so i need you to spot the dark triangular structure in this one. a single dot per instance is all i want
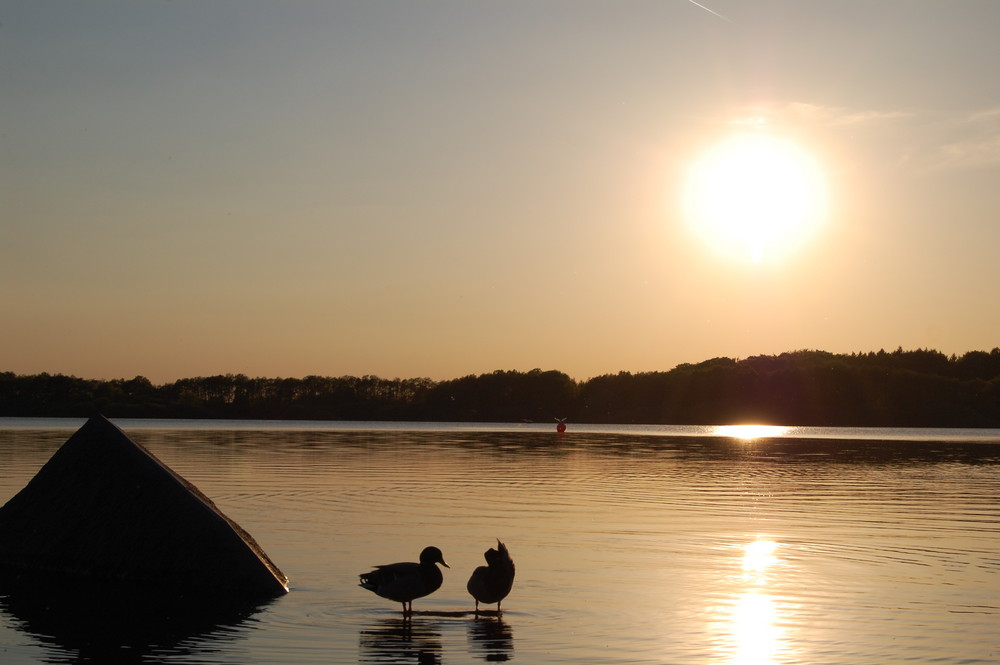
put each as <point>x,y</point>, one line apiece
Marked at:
<point>104,508</point>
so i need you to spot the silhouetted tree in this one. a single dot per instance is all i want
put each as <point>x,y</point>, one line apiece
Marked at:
<point>900,388</point>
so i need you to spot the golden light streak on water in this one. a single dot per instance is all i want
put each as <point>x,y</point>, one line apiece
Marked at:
<point>755,633</point>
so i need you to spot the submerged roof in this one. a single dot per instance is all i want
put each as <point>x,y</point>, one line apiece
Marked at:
<point>103,507</point>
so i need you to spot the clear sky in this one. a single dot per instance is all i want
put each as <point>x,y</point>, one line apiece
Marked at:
<point>441,188</point>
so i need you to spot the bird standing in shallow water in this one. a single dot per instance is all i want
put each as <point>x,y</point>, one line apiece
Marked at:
<point>403,582</point>
<point>491,583</point>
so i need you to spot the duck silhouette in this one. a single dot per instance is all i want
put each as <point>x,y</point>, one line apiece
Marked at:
<point>491,583</point>
<point>403,582</point>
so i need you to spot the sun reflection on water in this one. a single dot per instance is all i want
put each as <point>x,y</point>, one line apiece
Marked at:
<point>759,555</point>
<point>752,624</point>
<point>756,634</point>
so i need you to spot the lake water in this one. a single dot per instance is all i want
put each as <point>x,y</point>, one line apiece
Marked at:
<point>633,544</point>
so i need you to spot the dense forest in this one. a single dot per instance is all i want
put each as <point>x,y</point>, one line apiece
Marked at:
<point>922,388</point>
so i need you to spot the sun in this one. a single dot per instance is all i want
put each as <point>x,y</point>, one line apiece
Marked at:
<point>756,196</point>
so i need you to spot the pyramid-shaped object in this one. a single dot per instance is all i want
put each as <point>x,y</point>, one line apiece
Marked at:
<point>104,508</point>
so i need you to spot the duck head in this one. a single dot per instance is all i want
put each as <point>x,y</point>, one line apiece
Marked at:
<point>432,555</point>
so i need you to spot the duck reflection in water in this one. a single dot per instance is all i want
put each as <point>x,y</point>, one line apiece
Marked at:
<point>401,640</point>
<point>491,639</point>
<point>491,583</point>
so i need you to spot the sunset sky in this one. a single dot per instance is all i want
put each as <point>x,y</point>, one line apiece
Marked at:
<point>441,188</point>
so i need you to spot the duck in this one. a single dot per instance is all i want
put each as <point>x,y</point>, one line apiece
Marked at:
<point>491,583</point>
<point>403,582</point>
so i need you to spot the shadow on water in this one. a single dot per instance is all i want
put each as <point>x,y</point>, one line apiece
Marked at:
<point>401,640</point>
<point>417,639</point>
<point>83,622</point>
<point>491,639</point>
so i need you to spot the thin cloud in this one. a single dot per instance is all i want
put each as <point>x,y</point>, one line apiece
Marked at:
<point>976,146</point>
<point>949,143</point>
<point>970,154</point>
<point>922,143</point>
<point>811,114</point>
<point>869,117</point>
<point>989,115</point>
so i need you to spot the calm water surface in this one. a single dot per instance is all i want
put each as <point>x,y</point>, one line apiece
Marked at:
<point>632,544</point>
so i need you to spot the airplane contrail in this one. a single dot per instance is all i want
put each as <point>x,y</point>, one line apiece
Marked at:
<point>696,4</point>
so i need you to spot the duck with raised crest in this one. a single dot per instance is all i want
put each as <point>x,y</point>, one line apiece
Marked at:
<point>491,583</point>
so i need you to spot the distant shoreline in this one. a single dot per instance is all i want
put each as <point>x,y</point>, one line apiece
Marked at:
<point>922,388</point>
<point>577,433</point>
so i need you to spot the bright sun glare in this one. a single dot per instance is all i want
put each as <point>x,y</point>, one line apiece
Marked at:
<point>756,196</point>
<point>750,432</point>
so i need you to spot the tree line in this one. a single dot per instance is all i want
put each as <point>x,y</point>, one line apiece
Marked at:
<point>920,388</point>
